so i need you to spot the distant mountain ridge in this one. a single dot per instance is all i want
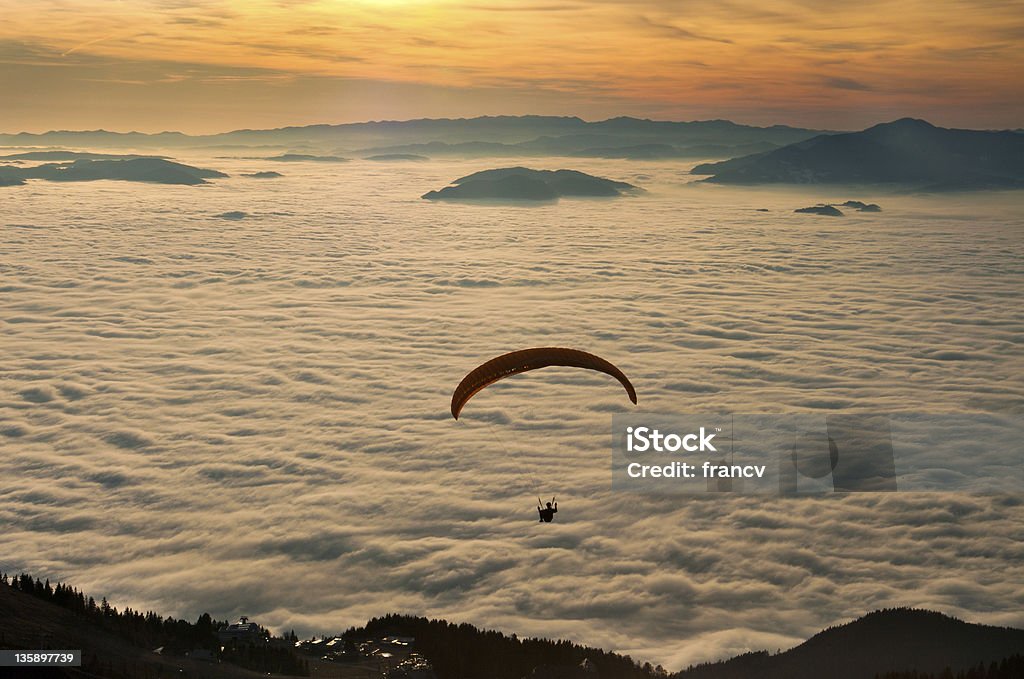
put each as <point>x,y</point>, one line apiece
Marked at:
<point>503,135</point>
<point>907,152</point>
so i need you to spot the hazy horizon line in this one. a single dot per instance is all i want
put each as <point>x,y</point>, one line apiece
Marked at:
<point>384,121</point>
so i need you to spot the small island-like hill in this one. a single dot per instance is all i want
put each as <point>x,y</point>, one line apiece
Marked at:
<point>133,169</point>
<point>524,184</point>
<point>385,157</point>
<point>300,157</point>
<point>824,210</point>
<point>58,154</point>
<point>832,209</point>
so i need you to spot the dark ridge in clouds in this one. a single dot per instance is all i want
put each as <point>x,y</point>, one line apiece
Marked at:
<point>130,168</point>
<point>907,152</point>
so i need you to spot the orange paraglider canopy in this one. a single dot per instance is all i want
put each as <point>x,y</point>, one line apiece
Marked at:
<point>524,360</point>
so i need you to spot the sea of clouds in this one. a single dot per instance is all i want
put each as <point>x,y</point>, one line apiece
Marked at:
<point>250,416</point>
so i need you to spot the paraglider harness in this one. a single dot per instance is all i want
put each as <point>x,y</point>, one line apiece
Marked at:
<point>547,513</point>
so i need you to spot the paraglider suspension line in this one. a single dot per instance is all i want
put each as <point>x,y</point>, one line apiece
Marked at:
<point>528,477</point>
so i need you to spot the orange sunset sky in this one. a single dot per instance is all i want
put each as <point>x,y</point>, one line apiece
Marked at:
<point>212,65</point>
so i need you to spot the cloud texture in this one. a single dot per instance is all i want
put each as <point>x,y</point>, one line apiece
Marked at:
<point>250,417</point>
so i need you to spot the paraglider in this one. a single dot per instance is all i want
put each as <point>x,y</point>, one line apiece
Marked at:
<point>525,360</point>
<point>547,514</point>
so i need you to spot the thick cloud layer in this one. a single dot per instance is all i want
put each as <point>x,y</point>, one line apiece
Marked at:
<point>251,417</point>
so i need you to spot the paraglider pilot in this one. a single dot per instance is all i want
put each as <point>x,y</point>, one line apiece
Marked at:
<point>548,513</point>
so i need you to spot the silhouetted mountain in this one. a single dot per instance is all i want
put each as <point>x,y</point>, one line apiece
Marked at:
<point>488,135</point>
<point>512,187</point>
<point>384,157</point>
<point>95,138</point>
<point>727,151</point>
<point>520,183</point>
<point>894,640</point>
<point>831,209</point>
<point>826,210</point>
<point>589,145</point>
<point>635,152</point>
<point>155,170</point>
<point>862,206</point>
<point>906,152</point>
<point>264,175</point>
<point>469,149</point>
<point>72,155</point>
<point>725,166</point>
<point>299,157</point>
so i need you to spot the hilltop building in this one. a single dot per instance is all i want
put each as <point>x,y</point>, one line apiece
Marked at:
<point>243,631</point>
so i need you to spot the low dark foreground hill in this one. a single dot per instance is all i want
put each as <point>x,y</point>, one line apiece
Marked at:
<point>122,644</point>
<point>521,183</point>
<point>464,651</point>
<point>895,640</point>
<point>907,152</point>
<point>890,644</point>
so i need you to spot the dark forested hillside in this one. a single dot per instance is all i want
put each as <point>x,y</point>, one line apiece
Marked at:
<point>120,644</point>
<point>894,640</point>
<point>1007,668</point>
<point>35,614</point>
<point>466,652</point>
